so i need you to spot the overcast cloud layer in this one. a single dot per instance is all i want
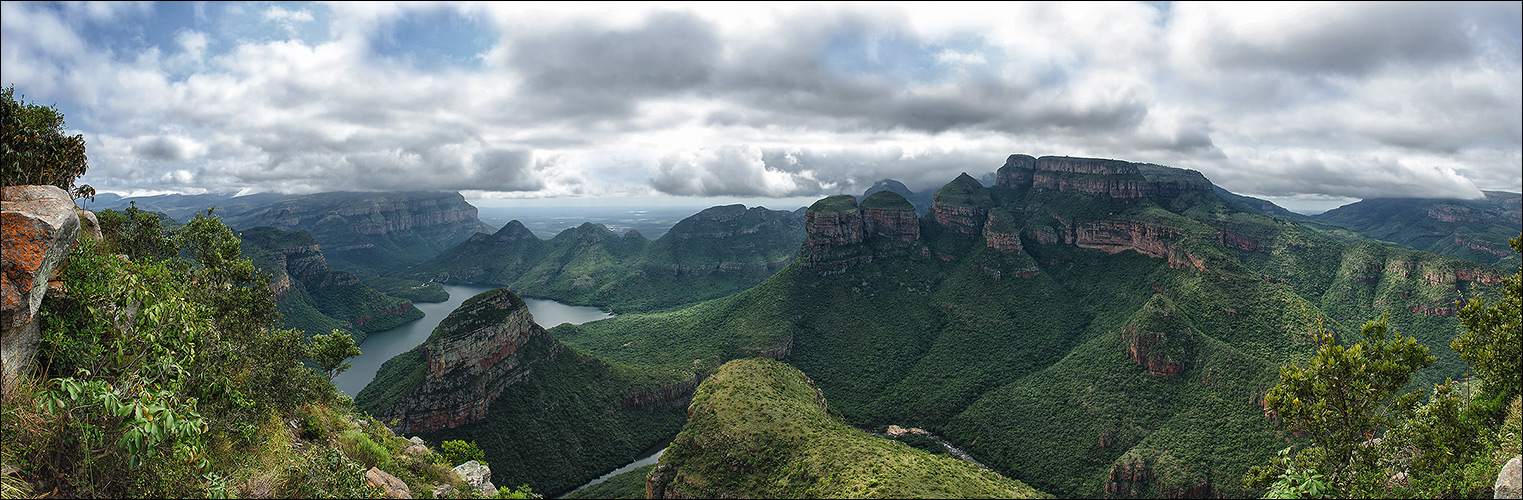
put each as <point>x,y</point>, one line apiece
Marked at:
<point>1296,102</point>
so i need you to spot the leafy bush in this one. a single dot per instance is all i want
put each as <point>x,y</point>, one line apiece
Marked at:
<point>358,446</point>
<point>326,473</point>
<point>34,148</point>
<point>458,452</point>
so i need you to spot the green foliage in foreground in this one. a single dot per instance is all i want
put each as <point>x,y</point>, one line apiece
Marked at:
<point>458,452</point>
<point>34,148</point>
<point>629,485</point>
<point>760,429</point>
<point>1449,446</point>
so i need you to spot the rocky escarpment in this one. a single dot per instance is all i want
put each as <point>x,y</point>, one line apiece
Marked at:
<point>373,230</point>
<point>373,213</point>
<point>890,215</point>
<point>1157,338</point>
<point>1001,233</point>
<point>1146,474</point>
<point>962,205</point>
<point>40,228</point>
<point>1118,236</point>
<point>314,297</point>
<point>471,357</point>
<point>840,234</point>
<point>1096,176</point>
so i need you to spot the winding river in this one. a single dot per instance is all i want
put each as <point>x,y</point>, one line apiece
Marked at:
<point>383,345</point>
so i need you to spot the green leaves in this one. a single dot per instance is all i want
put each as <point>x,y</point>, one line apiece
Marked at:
<point>330,350</point>
<point>1494,336</point>
<point>1340,399</point>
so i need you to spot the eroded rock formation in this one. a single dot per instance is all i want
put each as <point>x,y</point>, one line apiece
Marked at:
<point>1110,178</point>
<point>962,205</point>
<point>40,228</point>
<point>472,356</point>
<point>840,234</point>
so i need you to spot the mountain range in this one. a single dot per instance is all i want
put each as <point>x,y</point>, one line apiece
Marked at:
<point>1085,326</point>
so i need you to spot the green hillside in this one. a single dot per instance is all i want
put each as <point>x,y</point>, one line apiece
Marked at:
<point>1036,375</point>
<point>716,252</point>
<point>1475,230</point>
<point>314,298</point>
<point>759,428</point>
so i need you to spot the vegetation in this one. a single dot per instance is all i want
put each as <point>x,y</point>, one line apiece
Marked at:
<point>1476,230</point>
<point>34,148</point>
<point>891,200</point>
<point>458,452</point>
<point>316,298</point>
<point>416,291</point>
<point>329,351</point>
<point>759,429</point>
<point>630,485</point>
<point>714,253</point>
<point>161,372</point>
<point>964,191</point>
<point>1451,445</point>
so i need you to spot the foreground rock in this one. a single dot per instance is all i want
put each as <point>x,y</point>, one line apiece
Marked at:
<point>1509,484</point>
<point>40,227</point>
<point>477,475</point>
<point>393,487</point>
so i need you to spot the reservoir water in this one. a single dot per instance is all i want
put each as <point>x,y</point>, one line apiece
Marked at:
<point>383,345</point>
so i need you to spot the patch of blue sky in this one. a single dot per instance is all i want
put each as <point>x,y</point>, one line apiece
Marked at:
<point>901,58</point>
<point>259,22</point>
<point>432,39</point>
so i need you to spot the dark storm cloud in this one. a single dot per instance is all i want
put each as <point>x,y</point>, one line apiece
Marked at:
<point>582,69</point>
<point>161,148</point>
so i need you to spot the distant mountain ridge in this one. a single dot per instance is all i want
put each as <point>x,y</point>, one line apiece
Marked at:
<point>715,252</point>
<point>313,297</point>
<point>1076,326</point>
<point>1477,230</point>
<point>361,232</point>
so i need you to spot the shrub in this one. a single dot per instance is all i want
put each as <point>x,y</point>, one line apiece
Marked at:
<point>364,450</point>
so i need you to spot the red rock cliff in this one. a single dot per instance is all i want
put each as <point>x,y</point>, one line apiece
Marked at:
<point>474,354</point>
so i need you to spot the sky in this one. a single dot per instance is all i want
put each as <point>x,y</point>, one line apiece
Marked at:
<point>558,104</point>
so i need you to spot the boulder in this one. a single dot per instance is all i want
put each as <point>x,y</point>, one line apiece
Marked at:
<point>40,227</point>
<point>393,487</point>
<point>477,475</point>
<point>1509,484</point>
<point>89,225</point>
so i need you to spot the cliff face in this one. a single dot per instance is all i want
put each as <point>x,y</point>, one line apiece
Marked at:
<point>373,230</point>
<point>840,234</point>
<point>1115,237</point>
<point>962,205</point>
<point>1110,178</point>
<point>315,297</point>
<point>475,353</point>
<point>1000,232</point>
<point>1158,338</point>
<point>891,216</point>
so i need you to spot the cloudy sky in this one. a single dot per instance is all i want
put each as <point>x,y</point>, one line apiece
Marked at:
<point>1309,105</point>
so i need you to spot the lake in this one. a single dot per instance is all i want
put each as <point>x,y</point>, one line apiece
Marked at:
<point>383,345</point>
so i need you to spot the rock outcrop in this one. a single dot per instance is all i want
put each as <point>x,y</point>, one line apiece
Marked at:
<point>478,476</point>
<point>1509,484</point>
<point>1118,236</point>
<point>40,228</point>
<point>840,234</point>
<point>387,483</point>
<point>470,358</point>
<point>1001,233</point>
<point>1157,338</point>
<point>1096,176</point>
<point>962,205</point>
<point>890,215</point>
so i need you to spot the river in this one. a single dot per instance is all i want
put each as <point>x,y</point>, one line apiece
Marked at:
<point>383,345</point>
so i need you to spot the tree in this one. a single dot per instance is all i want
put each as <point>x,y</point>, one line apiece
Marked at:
<point>458,452</point>
<point>331,350</point>
<point>34,148</point>
<point>1494,336</point>
<point>1341,399</point>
